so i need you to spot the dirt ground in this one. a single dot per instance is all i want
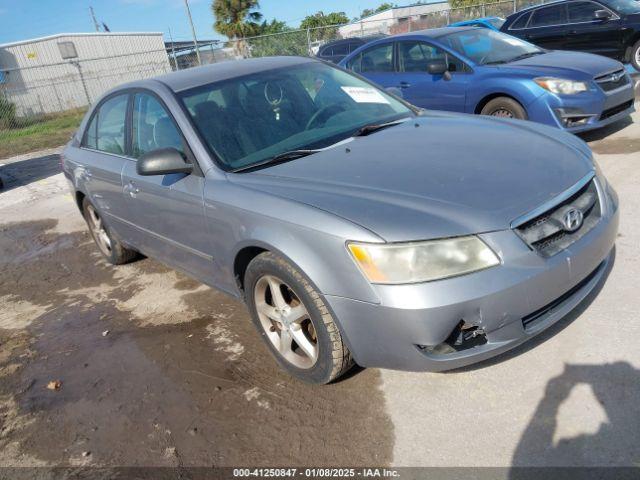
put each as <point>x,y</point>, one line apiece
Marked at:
<point>157,369</point>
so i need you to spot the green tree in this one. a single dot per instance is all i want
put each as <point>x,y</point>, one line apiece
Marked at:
<point>277,38</point>
<point>372,11</point>
<point>236,19</point>
<point>324,26</point>
<point>466,3</point>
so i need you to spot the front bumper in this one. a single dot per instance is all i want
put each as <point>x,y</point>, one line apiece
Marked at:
<point>596,104</point>
<point>393,333</point>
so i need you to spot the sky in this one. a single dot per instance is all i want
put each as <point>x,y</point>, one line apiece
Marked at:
<point>24,19</point>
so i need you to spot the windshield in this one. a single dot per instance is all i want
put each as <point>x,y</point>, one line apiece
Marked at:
<point>497,22</point>
<point>626,7</point>
<point>249,120</point>
<point>486,47</point>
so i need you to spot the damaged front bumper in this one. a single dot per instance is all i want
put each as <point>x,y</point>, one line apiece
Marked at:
<point>451,323</point>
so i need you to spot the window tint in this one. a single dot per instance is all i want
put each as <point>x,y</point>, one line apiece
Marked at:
<point>582,11</point>
<point>106,130</point>
<point>521,22</point>
<point>552,15</point>
<point>414,57</point>
<point>376,59</point>
<point>152,127</point>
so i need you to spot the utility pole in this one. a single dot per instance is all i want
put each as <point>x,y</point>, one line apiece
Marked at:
<point>193,32</point>
<point>173,51</point>
<point>93,17</point>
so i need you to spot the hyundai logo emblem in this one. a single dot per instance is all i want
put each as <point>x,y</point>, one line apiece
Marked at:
<point>572,220</point>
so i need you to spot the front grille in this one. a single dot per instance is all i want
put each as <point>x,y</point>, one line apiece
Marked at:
<point>529,321</point>
<point>608,82</point>
<point>547,234</point>
<point>610,112</point>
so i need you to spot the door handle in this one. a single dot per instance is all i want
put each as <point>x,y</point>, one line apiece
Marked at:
<point>404,85</point>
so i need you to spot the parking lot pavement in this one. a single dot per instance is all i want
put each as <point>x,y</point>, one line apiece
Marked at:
<point>157,369</point>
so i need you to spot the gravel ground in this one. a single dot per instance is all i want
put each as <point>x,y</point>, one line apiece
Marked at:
<point>157,369</point>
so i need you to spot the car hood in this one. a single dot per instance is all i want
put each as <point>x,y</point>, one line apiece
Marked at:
<point>439,175</point>
<point>558,62</point>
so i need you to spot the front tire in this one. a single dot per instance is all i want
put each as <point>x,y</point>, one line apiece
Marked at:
<point>635,56</point>
<point>112,250</point>
<point>504,107</point>
<point>294,321</point>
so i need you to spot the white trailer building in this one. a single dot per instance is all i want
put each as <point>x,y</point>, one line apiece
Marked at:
<point>67,71</point>
<point>385,21</point>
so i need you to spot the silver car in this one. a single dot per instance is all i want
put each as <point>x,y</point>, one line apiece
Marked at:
<point>356,228</point>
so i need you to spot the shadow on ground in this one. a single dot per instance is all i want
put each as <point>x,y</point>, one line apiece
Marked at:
<point>616,387</point>
<point>24,172</point>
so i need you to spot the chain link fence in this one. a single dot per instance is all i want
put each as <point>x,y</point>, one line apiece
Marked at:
<point>47,84</point>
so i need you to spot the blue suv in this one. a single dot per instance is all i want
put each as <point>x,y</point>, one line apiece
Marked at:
<point>478,70</point>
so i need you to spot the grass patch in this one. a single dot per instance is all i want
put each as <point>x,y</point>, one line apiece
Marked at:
<point>46,132</point>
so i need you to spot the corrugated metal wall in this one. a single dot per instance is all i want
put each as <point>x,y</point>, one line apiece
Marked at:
<point>39,81</point>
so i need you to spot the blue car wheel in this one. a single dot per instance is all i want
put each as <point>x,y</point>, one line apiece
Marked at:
<point>504,107</point>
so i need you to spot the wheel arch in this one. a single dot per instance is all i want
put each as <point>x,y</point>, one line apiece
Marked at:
<point>629,49</point>
<point>487,98</point>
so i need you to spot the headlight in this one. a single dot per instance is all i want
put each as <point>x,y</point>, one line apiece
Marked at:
<point>561,86</point>
<point>422,261</point>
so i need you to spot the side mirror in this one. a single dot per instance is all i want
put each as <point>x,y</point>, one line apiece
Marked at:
<point>602,15</point>
<point>162,162</point>
<point>439,67</point>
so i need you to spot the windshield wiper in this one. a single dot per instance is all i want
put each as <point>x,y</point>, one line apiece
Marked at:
<point>374,127</point>
<point>279,158</point>
<point>526,55</point>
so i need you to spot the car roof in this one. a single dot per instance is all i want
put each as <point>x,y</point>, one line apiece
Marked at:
<point>468,22</point>
<point>437,32</point>
<point>364,39</point>
<point>533,7</point>
<point>198,76</point>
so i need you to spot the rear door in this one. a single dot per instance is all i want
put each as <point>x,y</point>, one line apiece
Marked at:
<point>430,91</point>
<point>168,210</point>
<point>547,27</point>
<point>587,34</point>
<point>377,64</point>
<point>103,156</point>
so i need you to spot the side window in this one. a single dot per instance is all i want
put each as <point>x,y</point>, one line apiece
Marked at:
<point>582,11</point>
<point>152,127</point>
<point>107,127</point>
<point>414,56</point>
<point>521,22</point>
<point>377,59</point>
<point>548,16</point>
<point>355,63</point>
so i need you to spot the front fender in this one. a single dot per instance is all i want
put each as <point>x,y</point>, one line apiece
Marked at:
<point>521,89</point>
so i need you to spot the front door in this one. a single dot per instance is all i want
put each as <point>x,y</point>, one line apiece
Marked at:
<point>430,91</point>
<point>167,210</point>
<point>588,34</point>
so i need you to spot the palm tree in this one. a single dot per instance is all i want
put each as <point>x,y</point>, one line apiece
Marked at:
<point>236,19</point>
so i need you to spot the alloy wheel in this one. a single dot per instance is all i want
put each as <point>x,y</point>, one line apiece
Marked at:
<point>502,112</point>
<point>97,229</point>
<point>286,322</point>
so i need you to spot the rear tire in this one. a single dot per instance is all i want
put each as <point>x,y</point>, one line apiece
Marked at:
<point>296,309</point>
<point>110,247</point>
<point>504,107</point>
<point>635,56</point>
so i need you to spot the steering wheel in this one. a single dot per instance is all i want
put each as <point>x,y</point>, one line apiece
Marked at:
<point>324,114</point>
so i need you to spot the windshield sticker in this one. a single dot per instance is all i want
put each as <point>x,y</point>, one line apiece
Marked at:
<point>365,95</point>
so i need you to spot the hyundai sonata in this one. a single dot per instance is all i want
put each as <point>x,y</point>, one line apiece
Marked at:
<point>355,228</point>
